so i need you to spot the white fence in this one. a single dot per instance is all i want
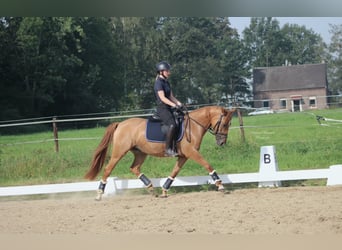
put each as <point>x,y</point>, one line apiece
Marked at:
<point>268,175</point>
<point>333,174</point>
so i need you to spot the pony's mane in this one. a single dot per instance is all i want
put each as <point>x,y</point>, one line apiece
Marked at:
<point>207,108</point>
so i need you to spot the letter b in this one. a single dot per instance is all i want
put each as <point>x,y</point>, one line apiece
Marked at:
<point>267,158</point>
<point>268,167</point>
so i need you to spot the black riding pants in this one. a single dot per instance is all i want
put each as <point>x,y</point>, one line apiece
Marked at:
<point>166,115</point>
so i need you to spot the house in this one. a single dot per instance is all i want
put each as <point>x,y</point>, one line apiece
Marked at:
<point>292,88</point>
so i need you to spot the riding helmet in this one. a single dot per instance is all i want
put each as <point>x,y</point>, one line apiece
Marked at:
<point>163,66</point>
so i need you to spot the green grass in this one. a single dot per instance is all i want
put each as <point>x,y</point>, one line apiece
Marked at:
<point>300,144</point>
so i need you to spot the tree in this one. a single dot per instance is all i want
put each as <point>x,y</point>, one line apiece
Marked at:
<point>236,72</point>
<point>199,51</point>
<point>142,47</point>
<point>335,60</point>
<point>301,45</point>
<point>10,94</point>
<point>59,65</point>
<point>269,45</point>
<point>99,85</point>
<point>191,54</point>
<point>48,50</point>
<point>72,65</point>
<point>261,38</point>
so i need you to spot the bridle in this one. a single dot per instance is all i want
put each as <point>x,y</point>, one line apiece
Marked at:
<point>212,130</point>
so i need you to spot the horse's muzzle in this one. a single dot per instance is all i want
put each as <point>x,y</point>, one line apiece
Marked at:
<point>221,139</point>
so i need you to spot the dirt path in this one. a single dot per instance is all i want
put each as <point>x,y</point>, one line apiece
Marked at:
<point>294,210</point>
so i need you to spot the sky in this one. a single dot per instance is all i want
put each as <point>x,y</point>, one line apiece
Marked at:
<point>319,25</point>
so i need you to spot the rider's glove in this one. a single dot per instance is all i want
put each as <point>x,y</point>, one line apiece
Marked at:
<point>179,107</point>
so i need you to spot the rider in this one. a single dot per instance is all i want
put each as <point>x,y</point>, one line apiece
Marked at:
<point>165,102</point>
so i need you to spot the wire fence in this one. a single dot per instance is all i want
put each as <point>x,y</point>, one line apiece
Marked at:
<point>54,121</point>
<point>121,115</point>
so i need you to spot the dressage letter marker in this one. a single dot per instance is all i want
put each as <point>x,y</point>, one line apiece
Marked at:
<point>268,166</point>
<point>267,158</point>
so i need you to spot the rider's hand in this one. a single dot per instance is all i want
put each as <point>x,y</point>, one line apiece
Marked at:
<point>179,107</point>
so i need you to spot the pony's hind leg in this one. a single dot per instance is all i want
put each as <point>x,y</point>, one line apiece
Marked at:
<point>139,158</point>
<point>106,173</point>
<point>103,182</point>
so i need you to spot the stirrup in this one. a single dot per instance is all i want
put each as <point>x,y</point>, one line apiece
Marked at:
<point>171,153</point>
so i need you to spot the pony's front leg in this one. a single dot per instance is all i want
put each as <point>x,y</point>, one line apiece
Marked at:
<point>196,156</point>
<point>179,163</point>
<point>147,182</point>
<point>217,180</point>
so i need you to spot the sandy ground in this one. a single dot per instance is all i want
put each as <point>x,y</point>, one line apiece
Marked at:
<point>278,211</point>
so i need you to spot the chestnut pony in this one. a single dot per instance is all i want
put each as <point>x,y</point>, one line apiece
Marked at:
<point>129,135</point>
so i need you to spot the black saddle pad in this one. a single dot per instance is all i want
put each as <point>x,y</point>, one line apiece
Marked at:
<point>154,132</point>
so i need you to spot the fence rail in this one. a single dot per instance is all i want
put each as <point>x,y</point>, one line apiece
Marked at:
<point>55,120</point>
<point>114,185</point>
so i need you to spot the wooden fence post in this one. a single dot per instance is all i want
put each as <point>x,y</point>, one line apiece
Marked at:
<point>55,133</point>
<point>242,130</point>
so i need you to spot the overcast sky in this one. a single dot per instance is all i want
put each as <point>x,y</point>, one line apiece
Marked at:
<point>319,25</point>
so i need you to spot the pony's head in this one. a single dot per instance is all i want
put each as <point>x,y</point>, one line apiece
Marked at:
<point>220,123</point>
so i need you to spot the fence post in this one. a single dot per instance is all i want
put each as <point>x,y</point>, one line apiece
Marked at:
<point>55,133</point>
<point>268,166</point>
<point>242,130</point>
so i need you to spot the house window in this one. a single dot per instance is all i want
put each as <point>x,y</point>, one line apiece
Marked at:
<point>282,103</point>
<point>266,104</point>
<point>312,102</point>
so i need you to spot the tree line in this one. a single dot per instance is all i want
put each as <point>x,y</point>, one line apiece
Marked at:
<point>77,65</point>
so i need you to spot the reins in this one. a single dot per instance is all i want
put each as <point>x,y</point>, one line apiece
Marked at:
<point>213,131</point>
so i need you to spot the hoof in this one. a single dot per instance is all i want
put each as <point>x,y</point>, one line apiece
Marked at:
<point>151,190</point>
<point>222,190</point>
<point>99,195</point>
<point>164,194</point>
<point>154,194</point>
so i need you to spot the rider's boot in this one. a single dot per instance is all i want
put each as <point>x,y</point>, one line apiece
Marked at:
<point>169,149</point>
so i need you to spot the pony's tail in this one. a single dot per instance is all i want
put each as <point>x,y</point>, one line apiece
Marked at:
<point>100,153</point>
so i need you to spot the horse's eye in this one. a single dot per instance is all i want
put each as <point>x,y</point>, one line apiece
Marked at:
<point>226,125</point>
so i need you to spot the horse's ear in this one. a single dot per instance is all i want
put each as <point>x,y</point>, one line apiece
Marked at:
<point>226,111</point>
<point>232,110</point>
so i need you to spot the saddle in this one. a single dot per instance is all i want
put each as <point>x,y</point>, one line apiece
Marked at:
<point>156,131</point>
